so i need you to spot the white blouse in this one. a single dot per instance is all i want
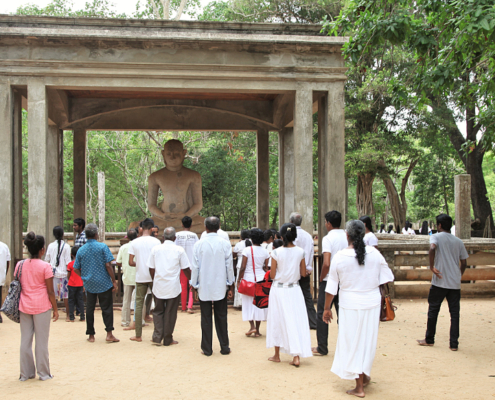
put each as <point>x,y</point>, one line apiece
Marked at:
<point>288,264</point>
<point>370,239</point>
<point>260,256</point>
<point>408,232</point>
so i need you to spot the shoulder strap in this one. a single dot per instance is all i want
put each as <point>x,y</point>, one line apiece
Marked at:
<point>252,258</point>
<point>19,271</point>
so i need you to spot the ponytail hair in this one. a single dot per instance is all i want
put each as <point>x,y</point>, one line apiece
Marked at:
<point>355,230</point>
<point>245,235</point>
<point>58,232</point>
<point>390,228</point>
<point>34,243</point>
<point>367,222</point>
<point>289,233</point>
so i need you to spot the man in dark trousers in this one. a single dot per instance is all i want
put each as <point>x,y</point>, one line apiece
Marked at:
<point>446,251</point>
<point>212,276</point>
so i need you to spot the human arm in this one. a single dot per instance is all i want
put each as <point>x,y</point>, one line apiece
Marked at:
<point>132,263</point>
<point>197,195</point>
<point>7,270</point>
<point>273,269</point>
<point>229,264</point>
<point>302,268</point>
<point>327,311</point>
<point>111,271</point>
<point>265,266</point>
<point>326,266</point>
<point>51,293</point>
<point>432,253</point>
<point>153,199</point>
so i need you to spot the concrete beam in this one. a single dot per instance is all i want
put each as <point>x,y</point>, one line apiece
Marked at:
<point>38,160</point>
<point>82,109</point>
<point>303,156</point>
<point>58,107</point>
<point>79,158</point>
<point>283,109</point>
<point>262,179</point>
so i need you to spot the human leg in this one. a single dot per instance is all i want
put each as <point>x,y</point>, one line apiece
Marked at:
<point>435,299</point>
<point>321,326</point>
<point>106,304</point>
<point>28,370</point>
<point>358,391</point>
<point>170,318</point>
<point>220,309</point>
<point>141,289</point>
<point>90,314</point>
<point>454,301</point>
<point>276,356</point>
<point>158,320</point>
<point>305,284</point>
<point>80,302</point>
<point>191,300</point>
<point>206,327</point>
<point>72,301</point>
<point>183,293</point>
<point>42,333</point>
<point>126,305</point>
<point>147,302</point>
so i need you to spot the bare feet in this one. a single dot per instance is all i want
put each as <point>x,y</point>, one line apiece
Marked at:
<point>111,338</point>
<point>250,332</point>
<point>295,362</point>
<point>366,380</point>
<point>182,310</point>
<point>422,342</point>
<point>174,342</point>
<point>274,359</point>
<point>190,311</point>
<point>91,338</point>
<point>136,339</point>
<point>131,327</point>
<point>67,319</point>
<point>316,352</point>
<point>354,392</point>
<point>148,319</point>
<point>257,334</point>
<point>453,348</point>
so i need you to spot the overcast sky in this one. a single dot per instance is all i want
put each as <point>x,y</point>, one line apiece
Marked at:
<point>126,6</point>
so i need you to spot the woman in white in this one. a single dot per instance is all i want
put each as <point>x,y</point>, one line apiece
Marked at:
<point>358,270</point>
<point>369,238</point>
<point>58,255</point>
<point>259,256</point>
<point>287,327</point>
<point>391,229</point>
<point>407,230</point>
<point>238,249</point>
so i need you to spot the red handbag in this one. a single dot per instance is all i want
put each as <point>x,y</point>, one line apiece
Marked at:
<point>262,292</point>
<point>245,287</point>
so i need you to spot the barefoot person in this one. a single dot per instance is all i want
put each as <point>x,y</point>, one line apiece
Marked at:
<point>253,268</point>
<point>287,326</point>
<point>212,276</point>
<point>167,261</point>
<point>128,278</point>
<point>359,270</point>
<point>139,254</point>
<point>237,254</point>
<point>93,266</point>
<point>446,251</point>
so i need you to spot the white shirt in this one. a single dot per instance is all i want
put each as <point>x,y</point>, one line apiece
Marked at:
<point>140,248</point>
<point>370,239</point>
<point>260,256</point>
<point>288,264</point>
<point>452,230</point>
<point>51,257</point>
<point>186,240</point>
<point>335,241</point>
<point>408,232</point>
<point>212,268</point>
<point>359,284</point>
<point>4,257</point>
<point>221,233</point>
<point>238,249</point>
<point>305,241</point>
<point>167,260</point>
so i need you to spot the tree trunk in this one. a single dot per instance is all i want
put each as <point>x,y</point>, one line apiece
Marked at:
<point>364,194</point>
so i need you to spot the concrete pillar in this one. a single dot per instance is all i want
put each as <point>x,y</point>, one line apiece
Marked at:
<point>462,190</point>
<point>303,156</point>
<point>17,249</point>
<point>288,174</point>
<point>38,158</point>
<point>262,180</point>
<point>80,174</point>
<point>281,181</point>
<point>54,190</point>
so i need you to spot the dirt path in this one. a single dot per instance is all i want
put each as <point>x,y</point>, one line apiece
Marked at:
<point>126,370</point>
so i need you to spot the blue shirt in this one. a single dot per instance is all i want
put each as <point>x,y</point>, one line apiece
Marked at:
<point>91,259</point>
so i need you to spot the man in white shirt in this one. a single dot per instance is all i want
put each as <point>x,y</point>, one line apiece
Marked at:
<point>305,241</point>
<point>220,232</point>
<point>212,276</point>
<point>4,267</point>
<point>166,263</point>
<point>332,243</point>
<point>139,253</point>
<point>186,239</point>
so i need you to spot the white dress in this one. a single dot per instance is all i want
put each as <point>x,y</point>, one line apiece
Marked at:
<point>359,309</point>
<point>370,239</point>
<point>249,311</point>
<point>287,323</point>
<point>238,249</point>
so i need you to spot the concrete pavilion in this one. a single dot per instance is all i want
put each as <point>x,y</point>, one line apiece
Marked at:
<point>109,74</point>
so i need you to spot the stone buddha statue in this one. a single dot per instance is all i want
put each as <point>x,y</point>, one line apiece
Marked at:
<point>181,188</point>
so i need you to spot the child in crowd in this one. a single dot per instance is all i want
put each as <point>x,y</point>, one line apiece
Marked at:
<point>75,288</point>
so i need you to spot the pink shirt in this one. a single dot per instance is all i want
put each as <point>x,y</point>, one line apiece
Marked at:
<point>34,296</point>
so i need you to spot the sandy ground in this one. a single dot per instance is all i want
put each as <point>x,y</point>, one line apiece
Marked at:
<point>402,370</point>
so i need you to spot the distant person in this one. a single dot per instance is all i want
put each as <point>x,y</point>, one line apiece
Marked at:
<point>4,267</point>
<point>254,265</point>
<point>452,230</point>
<point>407,230</point>
<point>220,232</point>
<point>139,253</point>
<point>78,226</point>
<point>237,253</point>
<point>268,238</point>
<point>305,241</point>
<point>186,239</point>
<point>446,251</point>
<point>369,238</point>
<point>36,301</point>
<point>128,278</point>
<point>391,230</point>
<point>382,229</point>
<point>425,230</point>
<point>356,274</point>
<point>154,231</point>
<point>331,244</point>
<point>166,262</point>
<point>58,255</point>
<point>212,276</point>
<point>287,324</point>
<point>93,265</point>
<point>76,288</point>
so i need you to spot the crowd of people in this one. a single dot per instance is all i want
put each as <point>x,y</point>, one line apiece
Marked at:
<point>184,267</point>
